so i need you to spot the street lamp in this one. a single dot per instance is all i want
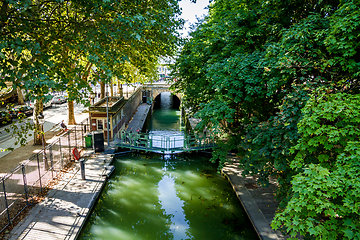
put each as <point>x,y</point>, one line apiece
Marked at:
<point>41,121</point>
<point>107,115</point>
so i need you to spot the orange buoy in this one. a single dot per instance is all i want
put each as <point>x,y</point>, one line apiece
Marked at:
<point>76,153</point>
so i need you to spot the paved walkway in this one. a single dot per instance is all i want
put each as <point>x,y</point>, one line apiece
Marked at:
<point>63,212</point>
<point>138,120</point>
<point>258,202</point>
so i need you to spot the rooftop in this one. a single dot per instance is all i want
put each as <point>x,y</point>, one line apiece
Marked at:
<point>113,103</point>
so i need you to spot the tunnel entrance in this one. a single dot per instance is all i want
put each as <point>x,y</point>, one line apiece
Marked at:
<point>166,100</point>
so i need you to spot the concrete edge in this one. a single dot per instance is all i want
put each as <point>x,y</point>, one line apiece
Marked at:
<point>21,227</point>
<point>257,218</point>
<point>85,212</point>
<point>82,215</point>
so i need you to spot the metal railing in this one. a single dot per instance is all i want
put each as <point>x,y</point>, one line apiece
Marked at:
<point>19,188</point>
<point>165,144</point>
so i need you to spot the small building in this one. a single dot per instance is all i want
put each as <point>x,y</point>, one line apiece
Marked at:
<point>98,115</point>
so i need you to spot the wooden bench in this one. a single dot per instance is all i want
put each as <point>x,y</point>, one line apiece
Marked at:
<point>58,129</point>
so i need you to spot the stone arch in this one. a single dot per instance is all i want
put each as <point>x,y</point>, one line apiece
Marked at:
<point>157,92</point>
<point>151,91</point>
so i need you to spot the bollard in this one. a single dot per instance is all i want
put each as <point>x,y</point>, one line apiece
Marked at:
<point>82,168</point>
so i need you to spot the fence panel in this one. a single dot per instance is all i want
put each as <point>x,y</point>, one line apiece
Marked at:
<point>4,221</point>
<point>56,157</point>
<point>14,195</point>
<point>45,170</point>
<point>33,173</point>
<point>20,186</point>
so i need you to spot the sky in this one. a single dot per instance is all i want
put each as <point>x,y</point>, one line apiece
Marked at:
<point>191,10</point>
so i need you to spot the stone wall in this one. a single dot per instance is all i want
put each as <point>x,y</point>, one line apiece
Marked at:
<point>130,107</point>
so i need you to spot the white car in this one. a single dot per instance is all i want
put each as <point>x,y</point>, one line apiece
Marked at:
<point>48,104</point>
<point>58,100</point>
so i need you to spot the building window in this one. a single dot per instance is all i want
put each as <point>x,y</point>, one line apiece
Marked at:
<point>100,125</point>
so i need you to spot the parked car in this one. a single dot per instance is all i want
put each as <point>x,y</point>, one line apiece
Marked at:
<point>58,100</point>
<point>48,104</point>
<point>23,109</point>
<point>5,117</point>
<point>11,112</point>
<point>45,105</point>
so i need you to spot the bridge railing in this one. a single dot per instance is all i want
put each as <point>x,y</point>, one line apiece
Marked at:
<point>162,143</point>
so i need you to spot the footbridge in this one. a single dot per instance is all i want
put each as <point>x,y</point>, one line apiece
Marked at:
<point>168,144</point>
<point>151,91</point>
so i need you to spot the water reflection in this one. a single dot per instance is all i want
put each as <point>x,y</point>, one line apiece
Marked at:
<point>168,197</point>
<point>166,116</point>
<point>172,205</point>
<point>177,198</point>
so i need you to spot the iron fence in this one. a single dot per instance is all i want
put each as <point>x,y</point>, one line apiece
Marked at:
<point>165,144</point>
<point>19,188</point>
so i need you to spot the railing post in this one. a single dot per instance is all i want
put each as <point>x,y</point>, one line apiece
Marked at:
<point>61,156</point>
<point>82,134</point>
<point>168,143</point>
<point>38,163</point>
<point>25,183</point>
<point>69,145</point>
<point>147,141</point>
<point>51,162</point>
<point>6,203</point>
<point>75,138</point>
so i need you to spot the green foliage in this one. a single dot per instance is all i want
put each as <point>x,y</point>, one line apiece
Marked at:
<point>331,121</point>
<point>343,40</point>
<point>325,204</point>
<point>247,72</point>
<point>265,149</point>
<point>48,45</point>
<point>326,192</point>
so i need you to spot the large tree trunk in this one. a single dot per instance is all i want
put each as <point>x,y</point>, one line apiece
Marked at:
<point>38,130</point>
<point>20,96</point>
<point>71,113</point>
<point>102,87</point>
<point>111,90</point>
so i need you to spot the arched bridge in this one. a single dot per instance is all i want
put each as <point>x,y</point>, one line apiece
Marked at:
<point>151,91</point>
<point>165,144</point>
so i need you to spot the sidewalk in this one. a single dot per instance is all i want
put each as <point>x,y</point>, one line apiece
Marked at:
<point>11,159</point>
<point>258,202</point>
<point>65,208</point>
<point>138,120</point>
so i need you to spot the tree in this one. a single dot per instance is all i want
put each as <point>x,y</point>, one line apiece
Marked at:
<point>46,45</point>
<point>250,67</point>
<point>326,192</point>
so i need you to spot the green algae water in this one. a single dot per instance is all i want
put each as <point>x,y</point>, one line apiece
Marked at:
<point>157,196</point>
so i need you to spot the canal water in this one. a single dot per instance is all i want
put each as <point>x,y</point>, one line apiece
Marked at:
<point>173,197</point>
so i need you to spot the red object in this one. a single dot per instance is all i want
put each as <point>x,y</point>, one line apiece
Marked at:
<point>76,153</point>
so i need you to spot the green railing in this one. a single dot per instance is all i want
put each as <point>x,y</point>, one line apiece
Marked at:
<point>165,144</point>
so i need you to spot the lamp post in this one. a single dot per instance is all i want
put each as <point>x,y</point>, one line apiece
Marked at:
<point>107,116</point>
<point>41,121</point>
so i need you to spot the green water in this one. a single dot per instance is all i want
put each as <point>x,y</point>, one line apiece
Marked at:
<point>166,118</point>
<point>167,197</point>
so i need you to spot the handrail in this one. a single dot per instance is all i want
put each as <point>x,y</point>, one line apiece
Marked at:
<point>164,144</point>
